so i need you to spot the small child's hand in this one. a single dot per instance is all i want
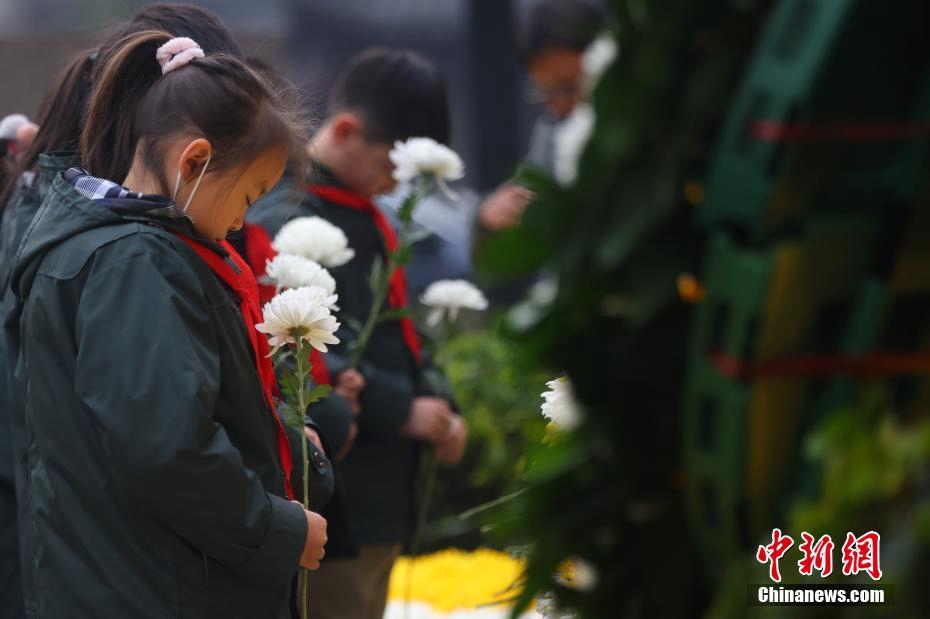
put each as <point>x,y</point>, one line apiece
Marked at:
<point>314,438</point>
<point>316,539</point>
<point>350,384</point>
<point>452,447</point>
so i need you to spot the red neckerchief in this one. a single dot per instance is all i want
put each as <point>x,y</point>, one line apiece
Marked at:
<point>397,290</point>
<point>244,285</point>
<point>258,252</point>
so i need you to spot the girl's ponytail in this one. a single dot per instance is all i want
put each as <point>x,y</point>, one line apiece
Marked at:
<point>134,107</point>
<point>60,119</point>
<point>123,79</point>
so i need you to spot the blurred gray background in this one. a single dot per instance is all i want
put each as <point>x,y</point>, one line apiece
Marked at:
<point>472,41</point>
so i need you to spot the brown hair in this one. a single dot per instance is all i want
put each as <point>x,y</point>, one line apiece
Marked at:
<point>59,119</point>
<point>133,106</point>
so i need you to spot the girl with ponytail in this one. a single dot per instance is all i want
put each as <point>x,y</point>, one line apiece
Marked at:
<point>159,471</point>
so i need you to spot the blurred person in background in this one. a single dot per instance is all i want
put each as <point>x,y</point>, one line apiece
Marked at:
<point>16,134</point>
<point>551,46</point>
<point>60,116</point>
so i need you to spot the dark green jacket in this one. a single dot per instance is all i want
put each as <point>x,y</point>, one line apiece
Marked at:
<point>25,201</point>
<point>17,215</point>
<point>378,475</point>
<point>155,489</point>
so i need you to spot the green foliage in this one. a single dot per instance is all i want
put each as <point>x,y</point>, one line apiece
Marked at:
<point>376,276</point>
<point>498,394</point>
<point>405,213</point>
<point>500,401</point>
<point>873,473</point>
<point>616,241</point>
<point>289,385</point>
<point>402,256</point>
<point>868,457</point>
<point>318,392</point>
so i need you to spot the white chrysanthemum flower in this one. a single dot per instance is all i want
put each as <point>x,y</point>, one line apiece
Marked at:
<point>300,314</point>
<point>597,57</point>
<point>569,141</point>
<point>546,608</point>
<point>316,239</point>
<point>449,296</point>
<point>578,574</point>
<point>560,406</point>
<point>426,156</point>
<point>293,271</point>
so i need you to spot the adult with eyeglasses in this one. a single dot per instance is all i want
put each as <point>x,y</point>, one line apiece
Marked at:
<point>551,47</point>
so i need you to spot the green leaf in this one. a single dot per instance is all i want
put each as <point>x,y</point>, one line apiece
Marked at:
<point>417,235</point>
<point>402,255</point>
<point>376,277</point>
<point>555,460</point>
<point>353,323</point>
<point>288,384</point>
<point>535,178</point>
<point>318,393</point>
<point>291,415</point>
<point>512,253</point>
<point>405,212</point>
<point>395,313</point>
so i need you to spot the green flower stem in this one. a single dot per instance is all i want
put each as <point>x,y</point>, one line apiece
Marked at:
<point>380,296</point>
<point>429,485</point>
<point>381,288</point>
<point>303,360</point>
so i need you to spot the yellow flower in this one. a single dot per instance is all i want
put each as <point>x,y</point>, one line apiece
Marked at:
<point>454,579</point>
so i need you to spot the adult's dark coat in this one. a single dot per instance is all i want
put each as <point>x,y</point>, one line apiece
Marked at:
<point>154,484</point>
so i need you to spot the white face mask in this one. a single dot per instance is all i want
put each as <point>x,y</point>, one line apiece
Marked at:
<point>190,198</point>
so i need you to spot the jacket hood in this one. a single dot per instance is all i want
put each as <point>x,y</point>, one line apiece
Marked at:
<point>25,203</point>
<point>51,165</point>
<point>65,213</point>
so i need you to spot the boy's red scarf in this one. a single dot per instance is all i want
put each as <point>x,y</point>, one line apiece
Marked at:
<point>244,285</point>
<point>397,291</point>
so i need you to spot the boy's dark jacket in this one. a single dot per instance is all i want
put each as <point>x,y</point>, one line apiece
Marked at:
<point>377,479</point>
<point>154,485</point>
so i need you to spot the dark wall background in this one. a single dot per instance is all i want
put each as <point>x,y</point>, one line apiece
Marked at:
<point>472,41</point>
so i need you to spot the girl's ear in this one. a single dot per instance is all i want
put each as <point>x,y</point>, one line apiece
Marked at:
<point>194,157</point>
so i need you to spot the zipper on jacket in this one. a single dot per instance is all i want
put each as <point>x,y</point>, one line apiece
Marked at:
<point>206,572</point>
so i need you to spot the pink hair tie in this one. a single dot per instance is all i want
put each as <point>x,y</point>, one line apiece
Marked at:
<point>177,53</point>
